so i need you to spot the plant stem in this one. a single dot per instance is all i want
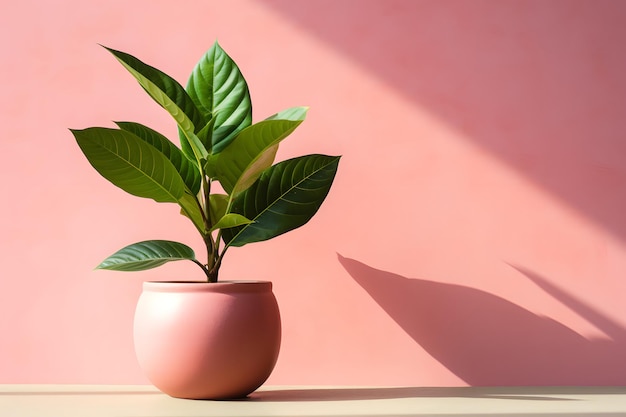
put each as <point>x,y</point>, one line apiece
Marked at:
<point>204,269</point>
<point>211,245</point>
<point>212,275</point>
<point>213,272</point>
<point>210,249</point>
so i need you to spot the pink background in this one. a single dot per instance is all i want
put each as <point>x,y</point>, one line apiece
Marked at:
<point>476,230</point>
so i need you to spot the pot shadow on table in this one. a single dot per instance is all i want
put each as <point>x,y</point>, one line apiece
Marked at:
<point>383,393</point>
<point>488,341</point>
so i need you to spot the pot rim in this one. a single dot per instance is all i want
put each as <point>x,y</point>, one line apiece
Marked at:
<point>228,286</point>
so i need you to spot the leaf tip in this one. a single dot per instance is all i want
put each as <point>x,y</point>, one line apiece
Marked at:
<point>106,47</point>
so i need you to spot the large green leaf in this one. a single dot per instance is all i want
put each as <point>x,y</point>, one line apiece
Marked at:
<point>253,150</point>
<point>147,255</point>
<point>186,167</point>
<point>219,90</point>
<point>285,197</point>
<point>170,95</point>
<point>131,163</point>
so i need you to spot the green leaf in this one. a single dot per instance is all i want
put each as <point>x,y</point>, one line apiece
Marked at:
<point>219,90</point>
<point>210,167</point>
<point>191,209</point>
<point>147,255</point>
<point>170,95</point>
<point>231,220</point>
<point>197,148</point>
<point>131,164</point>
<point>285,197</point>
<point>218,204</point>
<point>206,133</point>
<point>293,113</point>
<point>186,167</point>
<point>253,150</point>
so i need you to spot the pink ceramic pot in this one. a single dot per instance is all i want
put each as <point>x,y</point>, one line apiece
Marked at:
<point>207,340</point>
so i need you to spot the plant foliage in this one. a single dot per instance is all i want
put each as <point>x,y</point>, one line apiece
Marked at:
<point>258,200</point>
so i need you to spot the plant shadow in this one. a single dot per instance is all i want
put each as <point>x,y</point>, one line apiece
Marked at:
<point>488,341</point>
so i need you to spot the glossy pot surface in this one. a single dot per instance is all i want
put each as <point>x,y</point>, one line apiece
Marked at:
<point>207,340</point>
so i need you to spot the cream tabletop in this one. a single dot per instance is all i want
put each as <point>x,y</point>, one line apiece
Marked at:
<point>145,401</point>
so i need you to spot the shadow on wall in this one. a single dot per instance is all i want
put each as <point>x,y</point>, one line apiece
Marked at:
<point>541,85</point>
<point>487,341</point>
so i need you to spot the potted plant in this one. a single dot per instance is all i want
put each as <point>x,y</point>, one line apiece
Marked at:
<point>208,338</point>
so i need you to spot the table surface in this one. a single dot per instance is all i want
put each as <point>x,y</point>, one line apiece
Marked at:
<point>146,401</point>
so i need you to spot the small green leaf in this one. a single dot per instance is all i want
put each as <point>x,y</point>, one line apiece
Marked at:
<point>131,163</point>
<point>147,255</point>
<point>219,91</point>
<point>285,197</point>
<point>231,220</point>
<point>218,204</point>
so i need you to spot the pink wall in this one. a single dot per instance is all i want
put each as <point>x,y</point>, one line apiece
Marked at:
<point>475,233</point>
